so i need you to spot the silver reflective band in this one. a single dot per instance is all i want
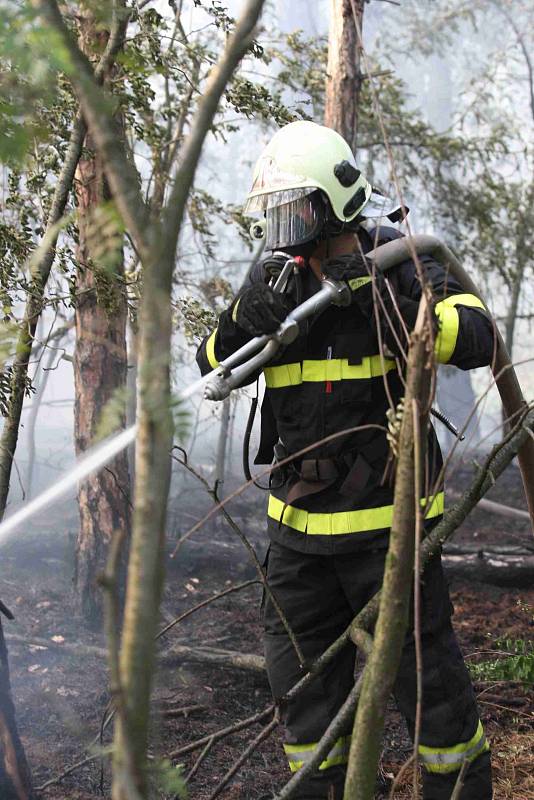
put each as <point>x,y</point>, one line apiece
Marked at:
<point>450,759</point>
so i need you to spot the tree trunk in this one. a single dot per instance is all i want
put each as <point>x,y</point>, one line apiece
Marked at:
<point>343,77</point>
<point>145,568</point>
<point>15,778</point>
<point>100,364</point>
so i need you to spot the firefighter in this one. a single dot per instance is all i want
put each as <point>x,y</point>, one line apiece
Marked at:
<point>329,513</point>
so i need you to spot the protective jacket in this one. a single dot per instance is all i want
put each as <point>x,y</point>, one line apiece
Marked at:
<point>338,497</point>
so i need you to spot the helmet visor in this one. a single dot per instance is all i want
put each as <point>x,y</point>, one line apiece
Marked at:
<point>294,223</point>
<point>261,202</point>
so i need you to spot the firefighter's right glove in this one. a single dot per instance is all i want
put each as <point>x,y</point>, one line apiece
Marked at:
<point>259,310</point>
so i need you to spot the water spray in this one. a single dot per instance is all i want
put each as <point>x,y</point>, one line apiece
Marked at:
<point>93,460</point>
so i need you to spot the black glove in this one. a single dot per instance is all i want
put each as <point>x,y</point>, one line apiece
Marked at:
<point>354,269</point>
<point>260,310</point>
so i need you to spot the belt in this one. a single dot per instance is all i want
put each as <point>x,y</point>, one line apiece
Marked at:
<point>317,474</point>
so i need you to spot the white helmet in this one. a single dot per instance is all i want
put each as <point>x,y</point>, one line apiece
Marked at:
<point>307,184</point>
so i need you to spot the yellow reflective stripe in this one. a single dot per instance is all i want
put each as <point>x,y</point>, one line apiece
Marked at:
<point>300,754</point>
<point>449,323</point>
<point>320,371</point>
<point>284,375</point>
<point>357,283</point>
<point>339,522</point>
<point>210,350</point>
<point>450,759</point>
<point>470,300</point>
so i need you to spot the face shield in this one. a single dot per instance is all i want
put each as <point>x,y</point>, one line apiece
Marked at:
<point>292,216</point>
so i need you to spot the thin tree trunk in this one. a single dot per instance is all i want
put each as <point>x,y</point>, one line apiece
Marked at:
<point>390,630</point>
<point>343,78</point>
<point>511,316</point>
<point>100,363</point>
<point>15,777</point>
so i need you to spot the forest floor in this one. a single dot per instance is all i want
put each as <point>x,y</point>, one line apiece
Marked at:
<point>60,683</point>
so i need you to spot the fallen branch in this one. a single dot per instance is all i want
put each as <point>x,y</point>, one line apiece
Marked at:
<point>212,655</point>
<point>496,569</point>
<point>262,735</point>
<point>200,759</point>
<point>184,711</point>
<point>505,511</point>
<point>222,733</point>
<point>72,648</point>
<point>68,771</point>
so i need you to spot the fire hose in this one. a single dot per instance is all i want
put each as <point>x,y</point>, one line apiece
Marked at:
<point>245,361</point>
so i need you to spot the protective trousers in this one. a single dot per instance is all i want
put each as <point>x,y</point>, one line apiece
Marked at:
<point>320,595</point>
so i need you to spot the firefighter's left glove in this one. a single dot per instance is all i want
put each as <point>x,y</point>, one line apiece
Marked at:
<point>357,272</point>
<point>353,269</point>
<point>259,310</point>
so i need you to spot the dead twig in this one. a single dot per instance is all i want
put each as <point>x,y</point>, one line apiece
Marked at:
<point>262,735</point>
<point>223,732</point>
<point>68,771</point>
<point>237,588</point>
<point>200,759</point>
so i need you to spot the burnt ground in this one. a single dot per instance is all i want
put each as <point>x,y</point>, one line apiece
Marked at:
<point>59,674</point>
